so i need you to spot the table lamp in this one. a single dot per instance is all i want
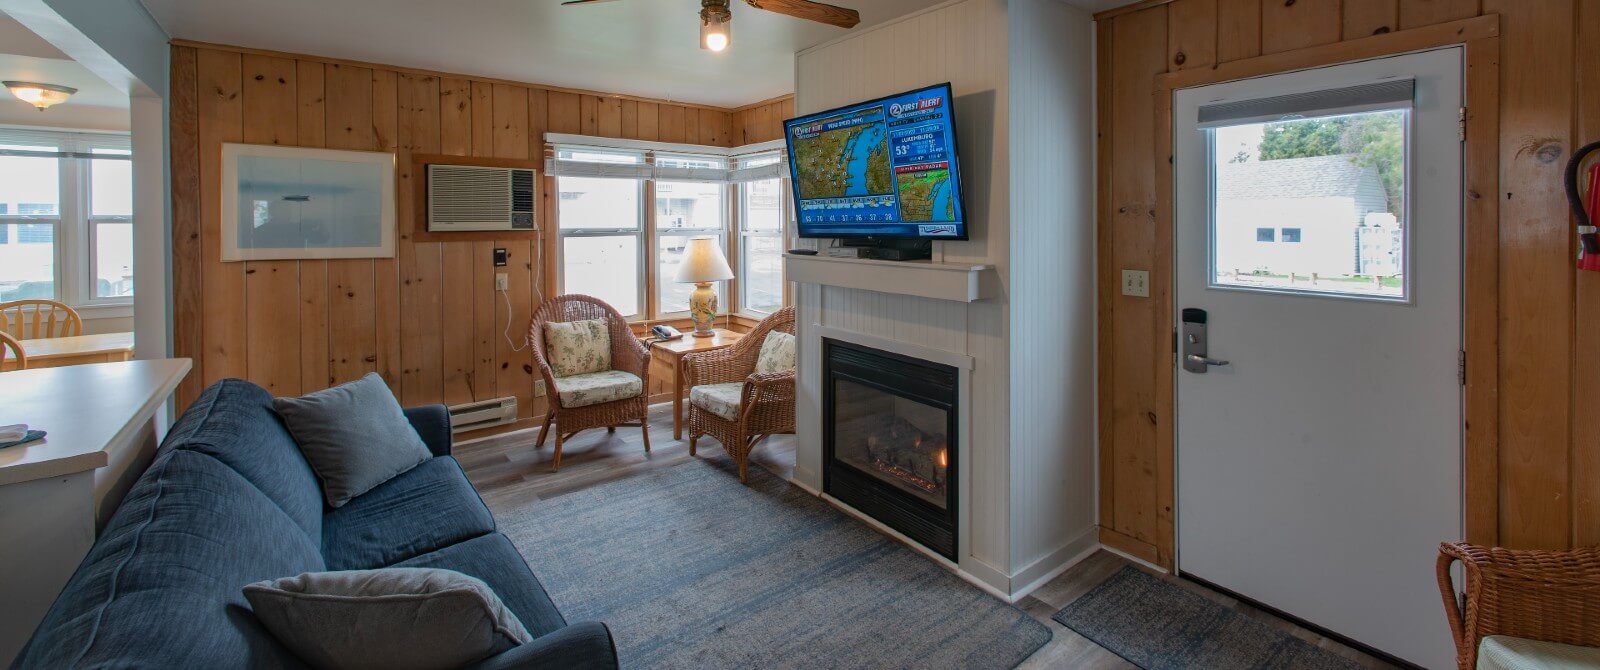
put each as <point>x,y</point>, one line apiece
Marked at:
<point>702,264</point>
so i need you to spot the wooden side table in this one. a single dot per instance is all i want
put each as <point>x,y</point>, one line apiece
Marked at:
<point>670,354</point>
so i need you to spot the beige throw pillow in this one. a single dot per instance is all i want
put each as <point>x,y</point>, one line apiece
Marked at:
<point>578,347</point>
<point>777,353</point>
<point>395,618</point>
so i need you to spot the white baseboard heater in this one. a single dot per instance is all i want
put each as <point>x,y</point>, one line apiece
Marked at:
<point>483,414</point>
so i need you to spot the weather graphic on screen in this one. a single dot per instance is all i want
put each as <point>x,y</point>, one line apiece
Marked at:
<point>882,168</point>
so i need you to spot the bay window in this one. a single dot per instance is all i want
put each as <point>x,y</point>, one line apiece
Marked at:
<point>626,216</point>
<point>66,217</point>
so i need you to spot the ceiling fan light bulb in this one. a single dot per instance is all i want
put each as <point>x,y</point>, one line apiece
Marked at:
<point>714,27</point>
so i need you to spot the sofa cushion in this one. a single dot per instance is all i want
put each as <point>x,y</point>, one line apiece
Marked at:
<point>577,347</point>
<point>594,388</point>
<point>428,507</point>
<point>355,435</point>
<point>233,422</point>
<point>1500,652</point>
<point>161,587</point>
<point>404,618</point>
<point>493,559</point>
<point>719,399</point>
<point>777,353</point>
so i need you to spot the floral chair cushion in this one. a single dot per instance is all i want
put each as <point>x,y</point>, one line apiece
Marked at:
<point>578,347</point>
<point>719,399</point>
<point>593,388</point>
<point>777,353</point>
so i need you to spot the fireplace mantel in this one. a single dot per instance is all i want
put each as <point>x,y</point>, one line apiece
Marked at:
<point>960,282</point>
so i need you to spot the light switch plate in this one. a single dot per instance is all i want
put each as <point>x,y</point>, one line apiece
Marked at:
<point>538,388</point>
<point>1136,283</point>
<point>501,283</point>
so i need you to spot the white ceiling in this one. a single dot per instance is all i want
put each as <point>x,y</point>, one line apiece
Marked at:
<point>638,47</point>
<point>25,56</point>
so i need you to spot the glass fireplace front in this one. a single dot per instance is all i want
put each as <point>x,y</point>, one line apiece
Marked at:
<point>889,440</point>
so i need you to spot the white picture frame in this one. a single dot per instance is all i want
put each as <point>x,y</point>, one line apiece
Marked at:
<point>294,203</point>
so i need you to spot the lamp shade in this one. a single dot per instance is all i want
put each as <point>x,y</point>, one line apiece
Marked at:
<point>703,261</point>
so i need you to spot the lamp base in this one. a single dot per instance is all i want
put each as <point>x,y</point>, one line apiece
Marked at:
<point>703,309</point>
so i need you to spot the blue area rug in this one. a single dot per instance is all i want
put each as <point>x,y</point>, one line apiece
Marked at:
<point>692,569</point>
<point>1158,625</point>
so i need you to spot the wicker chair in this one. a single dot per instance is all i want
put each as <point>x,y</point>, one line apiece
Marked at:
<point>627,355</point>
<point>766,402</point>
<point>1548,596</point>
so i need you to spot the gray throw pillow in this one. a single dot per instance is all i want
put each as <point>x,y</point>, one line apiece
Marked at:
<point>389,618</point>
<point>354,435</point>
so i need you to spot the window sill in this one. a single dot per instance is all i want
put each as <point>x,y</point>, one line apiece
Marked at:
<point>105,310</point>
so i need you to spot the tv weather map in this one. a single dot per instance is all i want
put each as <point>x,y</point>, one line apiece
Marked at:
<point>883,168</point>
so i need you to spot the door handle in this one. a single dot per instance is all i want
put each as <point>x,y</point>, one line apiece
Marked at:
<point>1199,360</point>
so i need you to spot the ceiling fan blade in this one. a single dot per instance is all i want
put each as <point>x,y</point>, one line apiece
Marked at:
<point>583,2</point>
<point>810,11</point>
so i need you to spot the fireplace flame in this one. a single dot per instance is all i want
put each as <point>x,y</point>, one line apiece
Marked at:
<point>944,458</point>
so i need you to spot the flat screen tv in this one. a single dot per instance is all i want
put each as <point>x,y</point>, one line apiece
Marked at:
<point>883,169</point>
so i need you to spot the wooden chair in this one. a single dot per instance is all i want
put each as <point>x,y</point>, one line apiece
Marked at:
<point>9,343</point>
<point>1546,596</point>
<point>765,401</point>
<point>35,319</point>
<point>627,355</point>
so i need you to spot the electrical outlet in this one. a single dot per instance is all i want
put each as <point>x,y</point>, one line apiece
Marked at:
<point>538,388</point>
<point>1136,283</point>
<point>502,281</point>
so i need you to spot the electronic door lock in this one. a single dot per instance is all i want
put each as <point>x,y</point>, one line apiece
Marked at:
<point>1194,342</point>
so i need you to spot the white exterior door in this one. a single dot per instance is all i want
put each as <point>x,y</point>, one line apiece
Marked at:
<point>1318,233</point>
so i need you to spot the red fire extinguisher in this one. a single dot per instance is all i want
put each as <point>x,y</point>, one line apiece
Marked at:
<point>1587,214</point>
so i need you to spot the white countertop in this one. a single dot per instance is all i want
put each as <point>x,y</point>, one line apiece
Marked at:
<point>84,409</point>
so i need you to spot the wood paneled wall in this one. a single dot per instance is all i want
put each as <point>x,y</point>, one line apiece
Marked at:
<point>429,319</point>
<point>1546,476</point>
<point>762,121</point>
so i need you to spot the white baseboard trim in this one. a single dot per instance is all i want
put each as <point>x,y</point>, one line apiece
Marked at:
<point>1040,572</point>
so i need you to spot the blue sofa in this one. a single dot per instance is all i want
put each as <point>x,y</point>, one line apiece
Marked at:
<point>229,500</point>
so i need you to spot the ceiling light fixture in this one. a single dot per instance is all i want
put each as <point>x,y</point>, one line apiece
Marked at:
<point>39,95</point>
<point>715,19</point>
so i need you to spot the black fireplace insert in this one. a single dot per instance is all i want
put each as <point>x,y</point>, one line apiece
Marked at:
<point>889,440</point>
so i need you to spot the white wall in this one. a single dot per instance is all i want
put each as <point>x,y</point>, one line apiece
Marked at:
<point>1052,385</point>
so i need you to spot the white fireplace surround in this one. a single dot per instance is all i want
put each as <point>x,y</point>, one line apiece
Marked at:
<point>1012,308</point>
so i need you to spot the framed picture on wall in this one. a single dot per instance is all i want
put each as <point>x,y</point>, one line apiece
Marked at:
<point>290,203</point>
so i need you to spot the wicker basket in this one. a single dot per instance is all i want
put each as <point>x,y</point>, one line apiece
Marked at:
<point>766,405</point>
<point>1549,596</point>
<point>627,355</point>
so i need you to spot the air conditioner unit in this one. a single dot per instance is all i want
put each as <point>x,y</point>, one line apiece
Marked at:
<point>483,414</point>
<point>470,197</point>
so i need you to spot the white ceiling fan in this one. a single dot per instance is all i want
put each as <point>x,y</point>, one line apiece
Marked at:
<point>716,15</point>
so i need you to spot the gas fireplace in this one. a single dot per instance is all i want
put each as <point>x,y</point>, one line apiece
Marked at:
<point>889,440</point>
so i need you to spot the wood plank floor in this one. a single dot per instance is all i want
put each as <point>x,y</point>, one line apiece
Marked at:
<point>508,472</point>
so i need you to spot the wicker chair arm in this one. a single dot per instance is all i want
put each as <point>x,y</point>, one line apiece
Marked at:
<point>769,386</point>
<point>1448,555</point>
<point>1530,593</point>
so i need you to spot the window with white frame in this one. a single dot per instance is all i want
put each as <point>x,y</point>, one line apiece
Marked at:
<point>763,209</point>
<point>615,245</point>
<point>66,217</point>
<point>686,209</point>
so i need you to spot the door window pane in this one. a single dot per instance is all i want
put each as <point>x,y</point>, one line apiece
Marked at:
<point>672,296</point>
<point>762,278</point>
<point>111,187</point>
<point>595,203</point>
<point>604,267</point>
<point>27,261</point>
<point>688,205</point>
<point>113,260</point>
<point>1339,179</point>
